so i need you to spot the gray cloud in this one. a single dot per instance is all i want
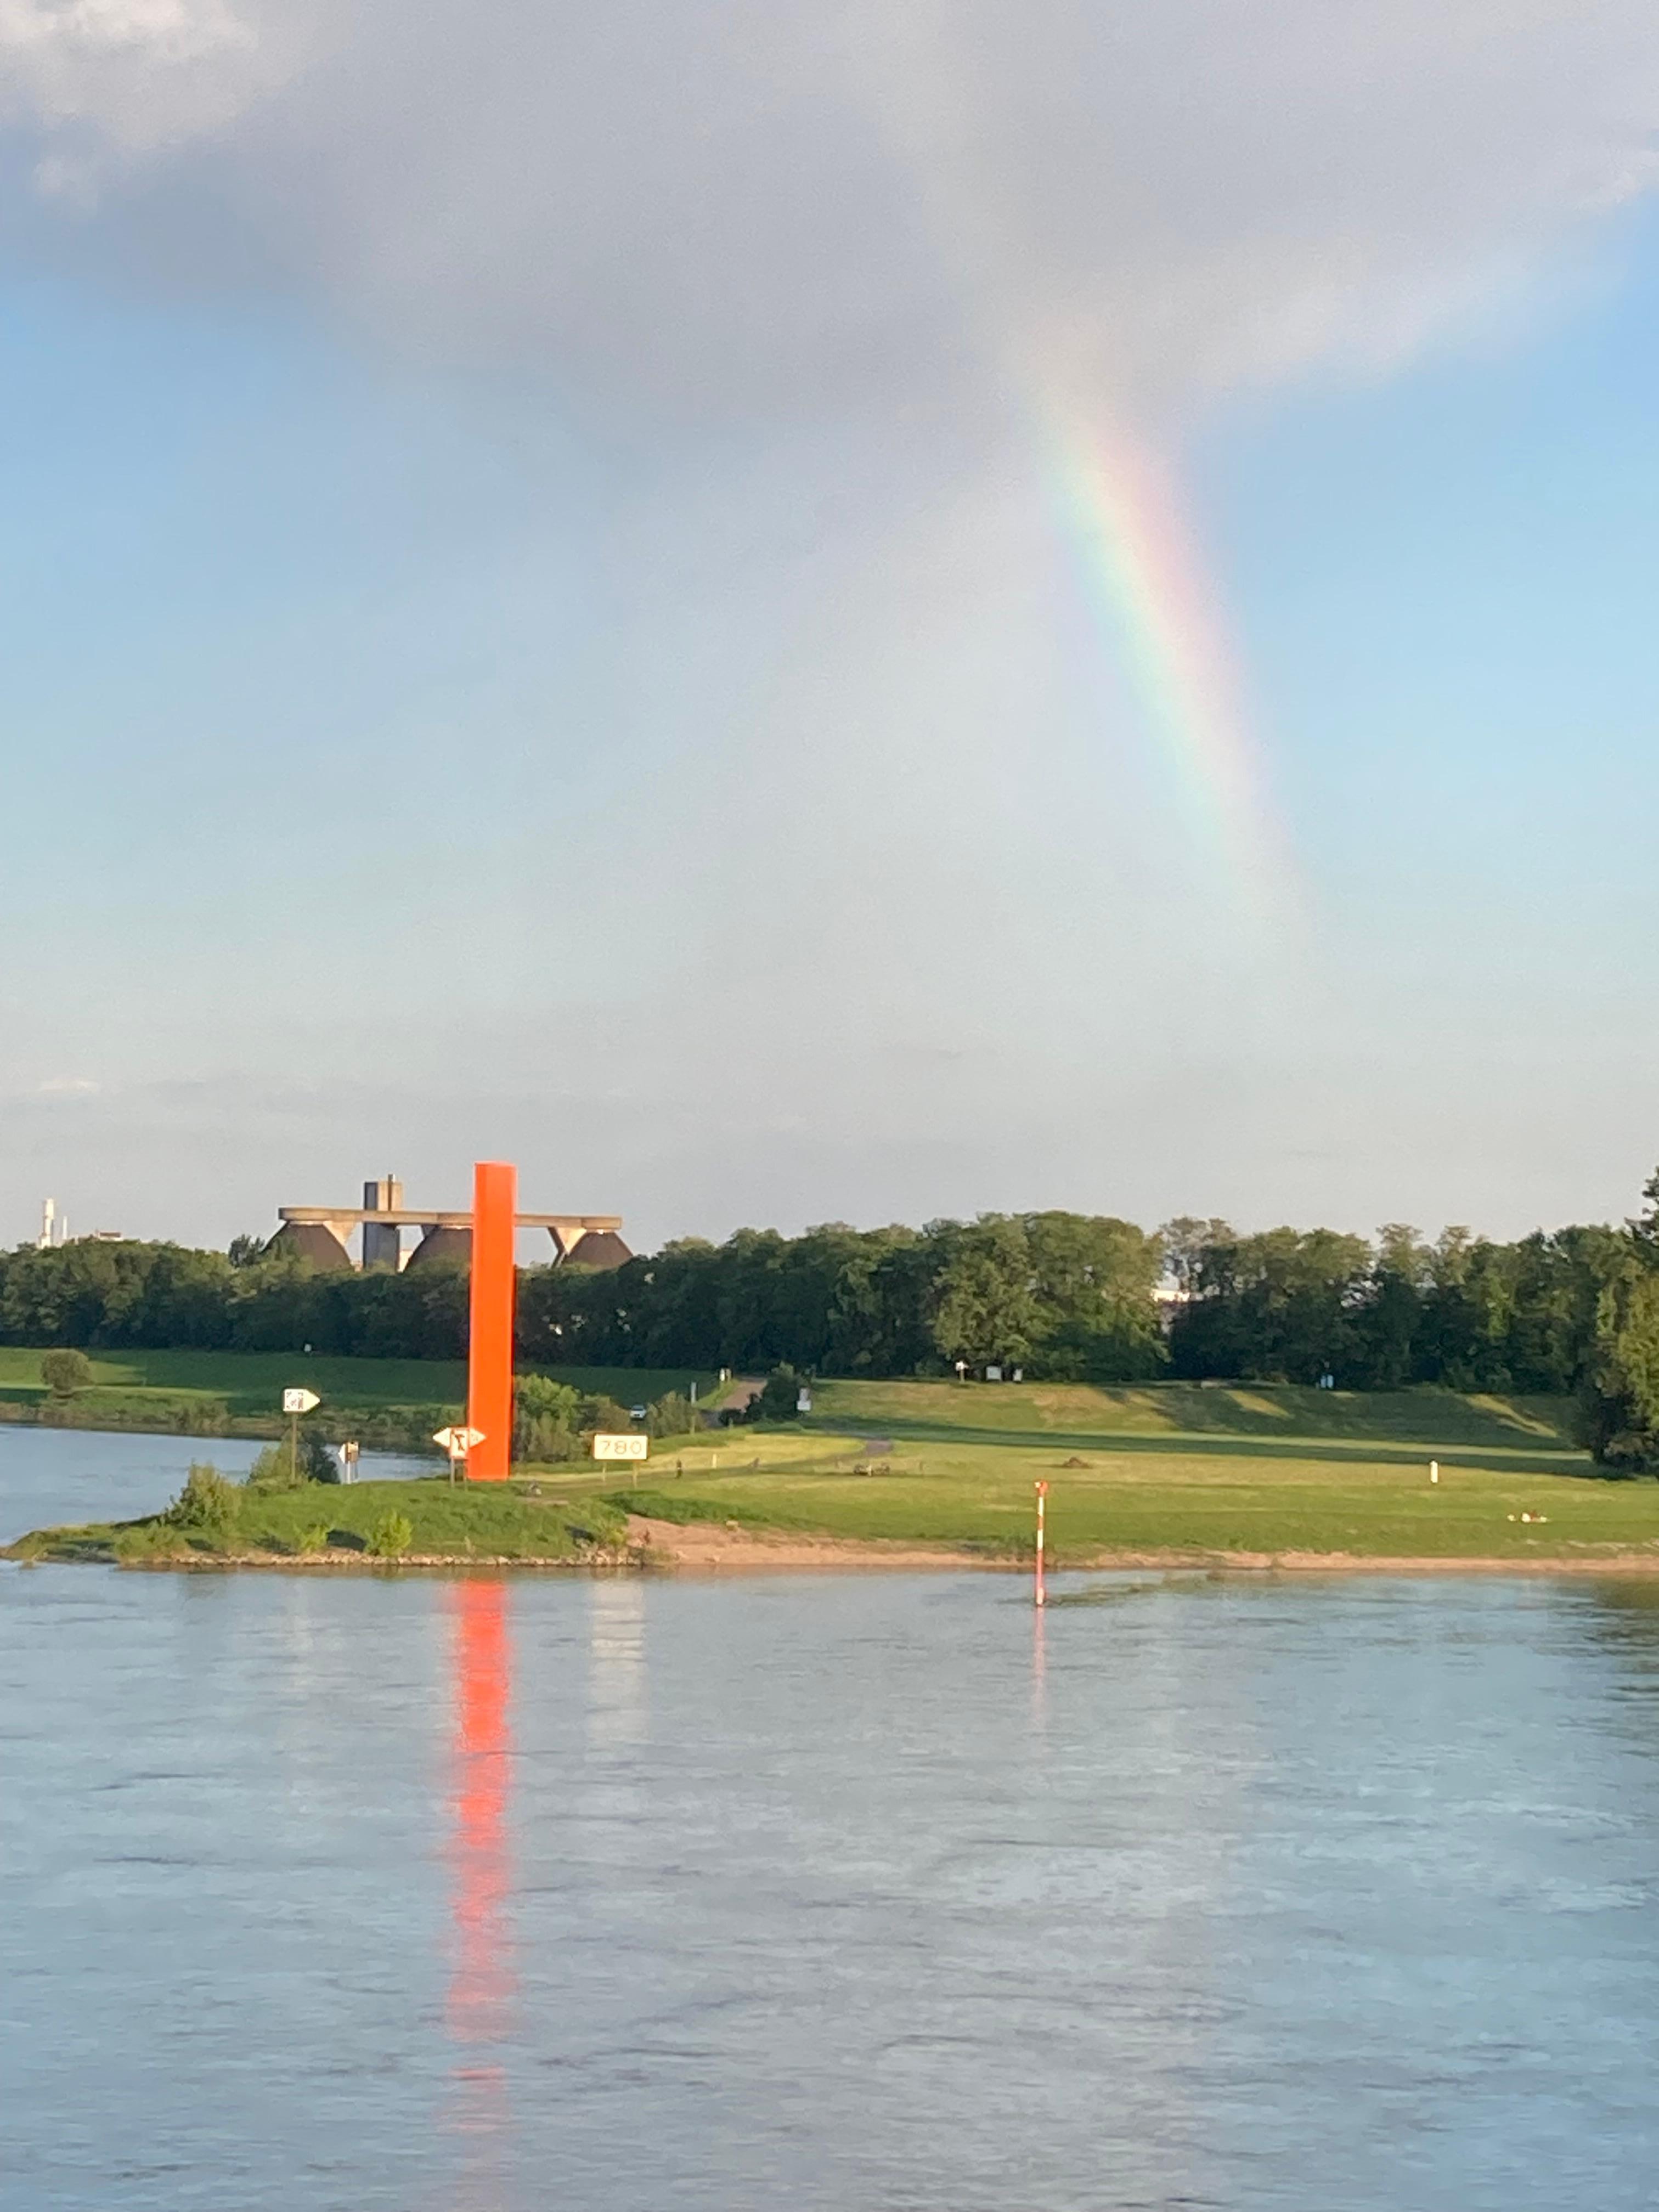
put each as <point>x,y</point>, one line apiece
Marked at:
<point>732,207</point>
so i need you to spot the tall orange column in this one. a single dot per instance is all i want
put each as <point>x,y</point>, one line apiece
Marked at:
<point>489,1343</point>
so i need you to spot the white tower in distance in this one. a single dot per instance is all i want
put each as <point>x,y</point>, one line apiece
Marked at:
<point>48,1211</point>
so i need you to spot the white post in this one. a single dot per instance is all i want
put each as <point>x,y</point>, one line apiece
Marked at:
<point>1434,1470</point>
<point>1038,1598</point>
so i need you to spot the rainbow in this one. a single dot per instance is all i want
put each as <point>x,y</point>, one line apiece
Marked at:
<point>1122,512</point>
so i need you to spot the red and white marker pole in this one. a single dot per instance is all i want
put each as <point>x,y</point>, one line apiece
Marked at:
<point>1038,1598</point>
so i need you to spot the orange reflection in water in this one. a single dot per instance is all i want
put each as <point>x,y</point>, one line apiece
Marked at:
<point>482,1985</point>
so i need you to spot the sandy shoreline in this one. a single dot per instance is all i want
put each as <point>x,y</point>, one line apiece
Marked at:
<point>707,1547</point>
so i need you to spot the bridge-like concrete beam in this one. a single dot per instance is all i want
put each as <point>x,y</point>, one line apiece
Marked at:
<point>342,1219</point>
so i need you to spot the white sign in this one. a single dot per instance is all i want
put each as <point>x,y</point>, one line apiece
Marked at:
<point>621,1447</point>
<point>803,1401</point>
<point>457,1441</point>
<point>300,1401</point>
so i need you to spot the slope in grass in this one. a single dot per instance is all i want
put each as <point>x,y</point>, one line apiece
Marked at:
<point>1033,1411</point>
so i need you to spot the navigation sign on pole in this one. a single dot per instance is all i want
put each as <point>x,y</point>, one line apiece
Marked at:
<point>295,1402</point>
<point>629,1447</point>
<point>633,1447</point>
<point>458,1443</point>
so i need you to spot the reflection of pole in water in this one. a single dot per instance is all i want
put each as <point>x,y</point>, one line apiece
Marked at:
<point>617,1676</point>
<point>1039,1678</point>
<point>482,1985</point>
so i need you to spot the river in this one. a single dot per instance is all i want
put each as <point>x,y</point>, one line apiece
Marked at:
<point>827,1893</point>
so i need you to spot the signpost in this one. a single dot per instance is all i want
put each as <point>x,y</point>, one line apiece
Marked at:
<point>634,1448</point>
<point>295,1402</point>
<point>458,1443</point>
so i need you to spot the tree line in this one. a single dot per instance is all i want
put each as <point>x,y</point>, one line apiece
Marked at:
<point>1063,1297</point>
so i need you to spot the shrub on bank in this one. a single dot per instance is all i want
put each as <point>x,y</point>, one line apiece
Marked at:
<point>65,1371</point>
<point>392,1535</point>
<point>207,1505</point>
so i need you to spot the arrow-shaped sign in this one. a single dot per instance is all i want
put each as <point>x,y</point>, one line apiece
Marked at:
<point>300,1401</point>
<point>457,1441</point>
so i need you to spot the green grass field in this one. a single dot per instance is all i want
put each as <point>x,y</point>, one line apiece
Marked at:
<point>1177,1469</point>
<point>204,1392</point>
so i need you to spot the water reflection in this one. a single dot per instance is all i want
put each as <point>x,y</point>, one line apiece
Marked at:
<point>482,1985</point>
<point>617,1680</point>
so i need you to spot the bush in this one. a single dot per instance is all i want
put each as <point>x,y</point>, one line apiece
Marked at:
<point>546,1417</point>
<point>534,1394</point>
<point>317,1460</point>
<point>207,1505</point>
<point>603,1417</point>
<point>65,1372</point>
<point>273,1469</point>
<point>776,1400</point>
<point>673,1415</point>
<point>392,1535</point>
<point>544,1441</point>
<point>313,1540</point>
<point>204,1417</point>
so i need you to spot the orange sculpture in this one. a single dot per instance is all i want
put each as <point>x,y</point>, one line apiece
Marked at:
<point>489,1343</point>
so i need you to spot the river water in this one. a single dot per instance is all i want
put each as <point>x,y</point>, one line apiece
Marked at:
<point>825,1892</point>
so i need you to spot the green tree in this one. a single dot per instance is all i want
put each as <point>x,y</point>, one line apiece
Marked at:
<point>1092,1279</point>
<point>65,1371</point>
<point>984,1305</point>
<point>1620,1393</point>
<point>1276,1307</point>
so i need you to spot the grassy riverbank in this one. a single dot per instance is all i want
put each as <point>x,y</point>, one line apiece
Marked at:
<point>1178,1471</point>
<point>329,1524</point>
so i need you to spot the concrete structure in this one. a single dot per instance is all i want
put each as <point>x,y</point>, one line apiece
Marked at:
<point>322,1234</point>
<point>382,1241</point>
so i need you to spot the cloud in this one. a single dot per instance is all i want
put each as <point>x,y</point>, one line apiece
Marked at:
<point>68,1087</point>
<point>713,210</point>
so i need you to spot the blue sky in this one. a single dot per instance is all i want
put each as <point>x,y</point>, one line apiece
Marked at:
<point>569,654</point>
